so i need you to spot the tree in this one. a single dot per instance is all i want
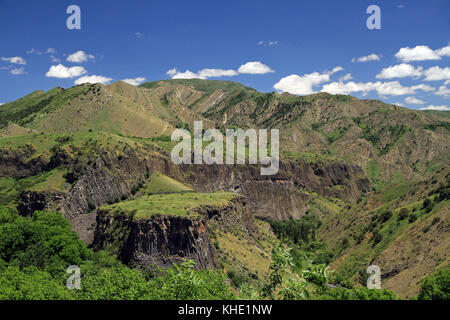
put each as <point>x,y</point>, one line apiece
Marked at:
<point>31,284</point>
<point>436,286</point>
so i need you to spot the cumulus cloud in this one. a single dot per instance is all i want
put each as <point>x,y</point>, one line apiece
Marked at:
<point>92,79</point>
<point>443,91</point>
<point>202,74</point>
<point>400,71</point>
<point>60,71</point>
<point>391,88</point>
<point>15,60</point>
<point>399,104</point>
<point>413,100</point>
<point>444,52</point>
<point>212,73</point>
<point>249,68</point>
<point>254,67</point>
<point>436,73</point>
<point>304,84</point>
<point>418,53</point>
<point>172,72</point>
<point>79,57</point>
<point>186,75</point>
<point>301,84</point>
<point>134,82</point>
<point>18,71</point>
<point>437,108</point>
<point>370,57</point>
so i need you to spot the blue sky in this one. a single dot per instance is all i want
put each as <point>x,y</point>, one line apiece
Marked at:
<point>295,46</point>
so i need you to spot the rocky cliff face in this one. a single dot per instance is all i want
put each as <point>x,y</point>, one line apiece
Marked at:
<point>278,197</point>
<point>165,240</point>
<point>162,240</point>
<point>109,178</point>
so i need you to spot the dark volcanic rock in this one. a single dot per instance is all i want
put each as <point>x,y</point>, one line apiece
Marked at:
<point>165,240</point>
<point>32,201</point>
<point>160,240</point>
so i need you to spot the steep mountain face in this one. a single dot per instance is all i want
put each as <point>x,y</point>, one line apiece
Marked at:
<point>162,241</point>
<point>281,196</point>
<point>347,161</point>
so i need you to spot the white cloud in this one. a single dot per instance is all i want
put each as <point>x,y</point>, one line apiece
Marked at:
<point>92,79</point>
<point>347,77</point>
<point>301,85</point>
<point>134,82</point>
<point>172,72</point>
<point>249,68</point>
<point>79,57</point>
<point>443,91</point>
<point>436,73</point>
<point>391,88</point>
<point>348,87</point>
<point>138,35</point>
<point>304,84</point>
<point>55,59</point>
<point>60,71</point>
<point>186,75</point>
<point>413,100</point>
<point>38,52</point>
<point>267,43</point>
<point>370,57</point>
<point>18,71</point>
<point>254,67</point>
<point>400,71</point>
<point>418,53</point>
<point>15,60</point>
<point>438,108</point>
<point>1,103</point>
<point>423,87</point>
<point>212,73</point>
<point>445,51</point>
<point>400,6</point>
<point>399,104</point>
<point>335,69</point>
<point>202,74</point>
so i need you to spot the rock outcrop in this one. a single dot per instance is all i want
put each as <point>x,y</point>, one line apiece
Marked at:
<point>164,240</point>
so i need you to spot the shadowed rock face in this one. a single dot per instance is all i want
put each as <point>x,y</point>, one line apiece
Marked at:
<point>166,240</point>
<point>276,196</point>
<point>160,240</point>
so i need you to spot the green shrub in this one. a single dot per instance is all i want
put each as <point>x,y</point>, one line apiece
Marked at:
<point>236,279</point>
<point>412,218</point>
<point>436,286</point>
<point>376,237</point>
<point>403,214</point>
